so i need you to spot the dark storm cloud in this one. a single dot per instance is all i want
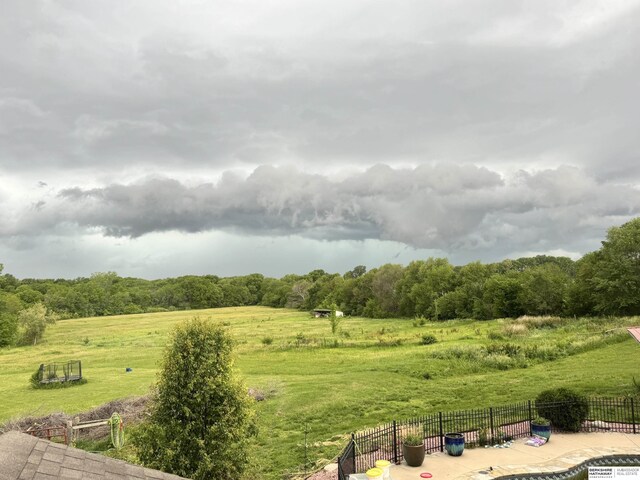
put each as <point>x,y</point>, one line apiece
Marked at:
<point>100,85</point>
<point>452,208</point>
<point>114,115</point>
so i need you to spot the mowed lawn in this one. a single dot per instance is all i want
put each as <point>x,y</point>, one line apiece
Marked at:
<point>370,372</point>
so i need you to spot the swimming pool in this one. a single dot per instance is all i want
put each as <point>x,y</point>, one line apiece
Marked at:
<point>579,472</point>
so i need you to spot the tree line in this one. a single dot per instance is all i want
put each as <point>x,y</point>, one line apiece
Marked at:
<point>603,282</point>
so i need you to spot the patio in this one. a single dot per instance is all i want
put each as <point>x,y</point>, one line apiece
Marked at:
<point>562,452</point>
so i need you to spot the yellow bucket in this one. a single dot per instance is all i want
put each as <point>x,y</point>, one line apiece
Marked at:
<point>374,474</point>
<point>385,466</point>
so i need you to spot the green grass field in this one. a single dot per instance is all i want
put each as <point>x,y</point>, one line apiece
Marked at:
<point>371,372</point>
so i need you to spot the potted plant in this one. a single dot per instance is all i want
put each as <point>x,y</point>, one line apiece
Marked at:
<point>541,427</point>
<point>454,444</point>
<point>413,449</point>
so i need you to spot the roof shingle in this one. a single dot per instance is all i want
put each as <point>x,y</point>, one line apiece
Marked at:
<point>23,457</point>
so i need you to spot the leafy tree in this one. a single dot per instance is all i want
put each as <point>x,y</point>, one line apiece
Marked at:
<point>28,295</point>
<point>611,276</point>
<point>385,301</point>
<point>543,290</point>
<point>9,306</point>
<point>357,272</point>
<point>200,292</point>
<point>423,284</point>
<point>501,295</point>
<point>201,418</point>
<point>34,321</point>
<point>356,293</point>
<point>275,292</point>
<point>466,300</point>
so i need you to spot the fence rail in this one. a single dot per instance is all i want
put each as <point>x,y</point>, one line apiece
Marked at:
<point>479,427</point>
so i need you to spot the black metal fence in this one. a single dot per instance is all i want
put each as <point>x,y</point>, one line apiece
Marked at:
<point>479,427</point>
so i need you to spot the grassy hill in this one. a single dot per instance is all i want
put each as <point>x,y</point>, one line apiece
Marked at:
<point>370,372</point>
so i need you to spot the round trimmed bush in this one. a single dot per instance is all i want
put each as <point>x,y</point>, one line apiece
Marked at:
<point>565,408</point>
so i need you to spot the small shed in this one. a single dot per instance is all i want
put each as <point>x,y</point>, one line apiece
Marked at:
<point>326,313</point>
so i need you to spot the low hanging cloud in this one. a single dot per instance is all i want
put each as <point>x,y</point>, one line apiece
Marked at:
<point>448,207</point>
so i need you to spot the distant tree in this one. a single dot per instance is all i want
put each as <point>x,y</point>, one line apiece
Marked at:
<point>356,293</point>
<point>423,283</point>
<point>501,297</point>
<point>200,292</point>
<point>543,290</point>
<point>385,301</point>
<point>611,276</point>
<point>201,417</point>
<point>34,321</point>
<point>357,272</point>
<point>9,306</point>
<point>299,293</point>
<point>466,300</point>
<point>28,295</point>
<point>275,292</point>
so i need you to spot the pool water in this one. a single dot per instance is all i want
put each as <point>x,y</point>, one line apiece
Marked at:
<point>581,471</point>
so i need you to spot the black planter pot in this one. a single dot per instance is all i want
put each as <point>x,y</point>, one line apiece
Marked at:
<point>413,454</point>
<point>454,444</point>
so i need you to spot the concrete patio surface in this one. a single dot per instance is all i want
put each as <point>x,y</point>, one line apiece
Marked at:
<point>563,451</point>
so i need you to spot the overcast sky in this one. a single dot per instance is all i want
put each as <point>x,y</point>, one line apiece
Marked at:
<point>160,138</point>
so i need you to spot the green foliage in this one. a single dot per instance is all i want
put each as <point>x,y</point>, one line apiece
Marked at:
<point>483,436</point>
<point>267,340</point>
<point>334,320</point>
<point>428,339</point>
<point>413,440</point>
<point>608,281</point>
<point>635,387</point>
<point>34,321</point>
<point>545,422</point>
<point>605,282</point>
<point>543,290</point>
<point>565,408</point>
<point>9,306</point>
<point>8,329</point>
<point>201,417</point>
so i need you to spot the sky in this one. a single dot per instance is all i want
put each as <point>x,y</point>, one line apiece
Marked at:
<point>160,138</point>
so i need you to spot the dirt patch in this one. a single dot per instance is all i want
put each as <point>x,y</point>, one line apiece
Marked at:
<point>324,475</point>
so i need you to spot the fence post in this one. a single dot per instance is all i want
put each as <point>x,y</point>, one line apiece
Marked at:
<point>491,424</point>
<point>395,443</point>
<point>633,416</point>
<point>353,449</point>
<point>530,417</point>
<point>441,432</point>
<point>69,439</point>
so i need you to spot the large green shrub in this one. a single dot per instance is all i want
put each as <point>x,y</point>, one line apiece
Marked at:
<point>565,408</point>
<point>201,417</point>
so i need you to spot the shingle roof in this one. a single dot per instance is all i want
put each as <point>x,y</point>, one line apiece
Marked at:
<point>635,332</point>
<point>23,457</point>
